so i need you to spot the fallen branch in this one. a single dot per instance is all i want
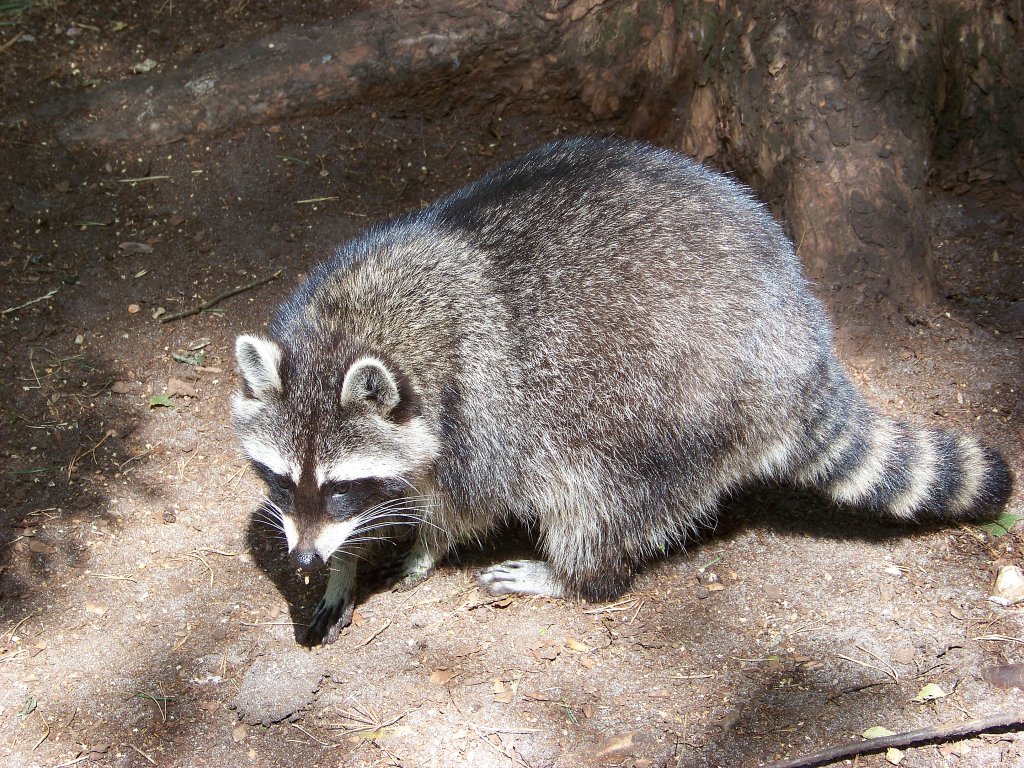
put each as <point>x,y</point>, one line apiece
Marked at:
<point>217,299</point>
<point>947,732</point>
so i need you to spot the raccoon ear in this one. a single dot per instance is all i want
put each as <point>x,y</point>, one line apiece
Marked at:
<point>369,380</point>
<point>260,361</point>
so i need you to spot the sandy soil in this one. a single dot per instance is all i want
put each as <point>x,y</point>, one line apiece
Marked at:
<point>145,619</point>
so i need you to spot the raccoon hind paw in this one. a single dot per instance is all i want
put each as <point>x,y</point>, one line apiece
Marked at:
<point>523,577</point>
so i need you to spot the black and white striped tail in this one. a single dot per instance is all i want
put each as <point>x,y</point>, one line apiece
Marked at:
<point>909,472</point>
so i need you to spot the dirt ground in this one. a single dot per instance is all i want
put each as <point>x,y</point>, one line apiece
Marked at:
<point>145,619</point>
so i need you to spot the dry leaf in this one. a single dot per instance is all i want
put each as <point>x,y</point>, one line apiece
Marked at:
<point>1004,676</point>
<point>136,248</point>
<point>876,732</point>
<point>588,711</point>
<point>930,692</point>
<point>357,618</point>
<point>615,746</point>
<point>576,645</point>
<point>442,676</point>
<point>499,687</point>
<point>537,696</point>
<point>238,733</point>
<point>893,756</point>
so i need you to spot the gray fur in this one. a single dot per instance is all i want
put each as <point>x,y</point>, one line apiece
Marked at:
<point>602,339</point>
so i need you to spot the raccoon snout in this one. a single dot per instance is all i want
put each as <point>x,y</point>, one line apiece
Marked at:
<point>306,560</point>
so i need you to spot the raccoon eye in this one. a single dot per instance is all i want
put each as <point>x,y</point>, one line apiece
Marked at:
<point>340,489</point>
<point>285,484</point>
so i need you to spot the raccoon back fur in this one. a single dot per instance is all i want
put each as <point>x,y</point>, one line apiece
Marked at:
<point>600,338</point>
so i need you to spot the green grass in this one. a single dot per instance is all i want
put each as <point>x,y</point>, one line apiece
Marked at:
<point>10,8</point>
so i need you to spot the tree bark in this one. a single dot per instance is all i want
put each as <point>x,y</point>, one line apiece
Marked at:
<point>836,113</point>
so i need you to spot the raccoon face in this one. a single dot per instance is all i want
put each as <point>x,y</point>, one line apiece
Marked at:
<point>339,440</point>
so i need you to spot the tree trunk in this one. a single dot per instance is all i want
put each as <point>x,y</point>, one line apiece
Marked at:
<point>836,113</point>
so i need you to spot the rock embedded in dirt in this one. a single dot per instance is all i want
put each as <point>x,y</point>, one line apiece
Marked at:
<point>278,685</point>
<point>1009,589</point>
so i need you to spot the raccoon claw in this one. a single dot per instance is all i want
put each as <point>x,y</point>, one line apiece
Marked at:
<point>328,621</point>
<point>523,577</point>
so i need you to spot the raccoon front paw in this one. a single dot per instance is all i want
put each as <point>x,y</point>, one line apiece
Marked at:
<point>329,618</point>
<point>410,569</point>
<point>416,567</point>
<point>523,577</point>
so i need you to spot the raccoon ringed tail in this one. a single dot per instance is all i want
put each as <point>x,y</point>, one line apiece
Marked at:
<point>910,472</point>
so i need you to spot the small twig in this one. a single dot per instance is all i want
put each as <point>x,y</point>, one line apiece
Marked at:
<point>501,750</point>
<point>13,632</point>
<point>110,576</point>
<point>150,759</point>
<point>75,761</point>
<point>865,664</point>
<point>688,677</point>
<point>316,200</point>
<point>217,299</point>
<point>368,721</point>
<point>375,635</point>
<point>999,639</point>
<point>160,701</point>
<point>876,657</point>
<point>48,295</point>
<point>46,730</point>
<point>514,731</point>
<point>197,555</point>
<point>142,178</point>
<point>137,456</point>
<point>10,42</point>
<point>858,688</point>
<point>614,607</point>
<point>321,742</point>
<point>943,733</point>
<point>82,454</point>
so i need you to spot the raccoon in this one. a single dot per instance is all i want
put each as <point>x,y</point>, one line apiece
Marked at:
<point>600,339</point>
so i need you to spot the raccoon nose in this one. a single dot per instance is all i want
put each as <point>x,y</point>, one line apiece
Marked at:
<point>306,559</point>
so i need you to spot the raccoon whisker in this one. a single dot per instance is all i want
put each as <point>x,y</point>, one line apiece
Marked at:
<point>402,517</point>
<point>269,507</point>
<point>407,482</point>
<point>400,503</point>
<point>268,521</point>
<point>380,527</point>
<point>424,502</point>
<point>383,513</point>
<point>348,553</point>
<point>395,509</point>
